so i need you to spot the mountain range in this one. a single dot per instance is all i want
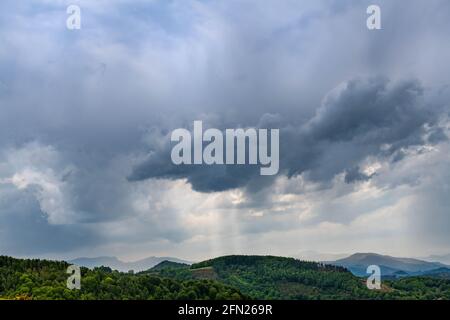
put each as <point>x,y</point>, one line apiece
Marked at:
<point>357,263</point>
<point>119,265</point>
<point>391,266</point>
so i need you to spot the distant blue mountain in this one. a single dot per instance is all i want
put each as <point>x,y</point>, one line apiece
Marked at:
<point>391,266</point>
<point>117,264</point>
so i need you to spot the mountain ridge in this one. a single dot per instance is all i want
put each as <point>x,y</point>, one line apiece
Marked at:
<point>357,263</point>
<point>124,266</point>
<point>227,277</point>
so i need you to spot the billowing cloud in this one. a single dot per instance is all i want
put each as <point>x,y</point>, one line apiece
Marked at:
<point>86,117</point>
<point>362,118</point>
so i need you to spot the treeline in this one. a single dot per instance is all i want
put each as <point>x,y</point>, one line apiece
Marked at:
<point>42,279</point>
<point>268,277</point>
<point>232,277</point>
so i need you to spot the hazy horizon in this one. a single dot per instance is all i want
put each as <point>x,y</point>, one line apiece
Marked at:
<point>302,255</point>
<point>86,118</point>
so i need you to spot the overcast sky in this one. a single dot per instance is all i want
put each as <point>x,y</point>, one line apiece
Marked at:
<point>86,117</point>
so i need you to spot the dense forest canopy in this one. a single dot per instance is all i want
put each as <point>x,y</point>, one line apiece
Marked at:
<point>42,279</point>
<point>231,277</point>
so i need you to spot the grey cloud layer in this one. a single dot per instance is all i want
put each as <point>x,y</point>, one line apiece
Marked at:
<point>104,99</point>
<point>367,117</point>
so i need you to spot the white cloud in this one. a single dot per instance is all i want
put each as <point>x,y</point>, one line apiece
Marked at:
<point>33,167</point>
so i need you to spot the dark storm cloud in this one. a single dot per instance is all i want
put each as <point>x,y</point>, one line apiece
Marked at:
<point>202,177</point>
<point>367,117</point>
<point>91,95</point>
<point>354,174</point>
<point>24,229</point>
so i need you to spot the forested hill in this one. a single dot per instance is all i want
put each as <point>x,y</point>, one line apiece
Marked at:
<point>42,279</point>
<point>230,277</point>
<point>269,277</point>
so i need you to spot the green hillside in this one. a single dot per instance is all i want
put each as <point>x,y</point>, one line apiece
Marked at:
<point>230,277</point>
<point>268,277</point>
<point>42,279</point>
<point>169,265</point>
